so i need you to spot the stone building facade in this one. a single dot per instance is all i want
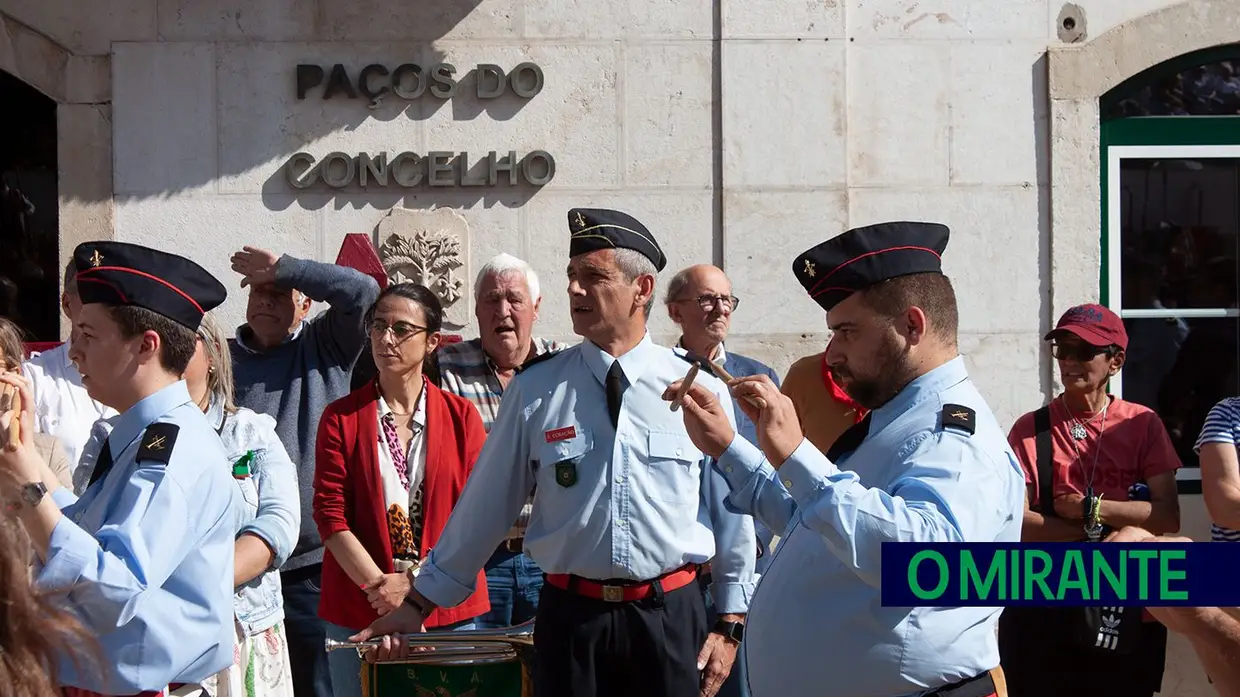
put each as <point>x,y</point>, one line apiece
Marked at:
<point>740,132</point>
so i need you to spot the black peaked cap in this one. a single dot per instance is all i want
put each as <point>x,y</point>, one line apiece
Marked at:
<point>592,229</point>
<point>119,273</point>
<point>864,256</point>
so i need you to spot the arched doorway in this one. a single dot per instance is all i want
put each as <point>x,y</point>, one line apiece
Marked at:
<point>29,212</point>
<point>1170,183</point>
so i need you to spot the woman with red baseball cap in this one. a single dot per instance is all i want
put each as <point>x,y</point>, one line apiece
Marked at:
<point>1093,463</point>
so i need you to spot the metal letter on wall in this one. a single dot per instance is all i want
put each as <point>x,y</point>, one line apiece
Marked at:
<point>427,247</point>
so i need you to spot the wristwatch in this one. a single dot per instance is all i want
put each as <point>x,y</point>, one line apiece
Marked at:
<point>33,493</point>
<point>732,631</point>
<point>423,610</point>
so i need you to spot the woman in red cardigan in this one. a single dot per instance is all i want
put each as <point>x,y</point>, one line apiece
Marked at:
<point>392,458</point>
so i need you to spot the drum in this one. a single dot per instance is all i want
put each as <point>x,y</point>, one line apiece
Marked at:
<point>511,678</point>
<point>469,663</point>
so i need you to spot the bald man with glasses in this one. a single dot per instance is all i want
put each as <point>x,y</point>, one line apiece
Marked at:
<point>700,301</point>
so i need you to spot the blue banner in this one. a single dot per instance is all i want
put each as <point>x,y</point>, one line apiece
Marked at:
<point>1199,574</point>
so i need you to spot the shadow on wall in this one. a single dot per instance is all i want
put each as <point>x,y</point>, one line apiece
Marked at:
<point>1040,84</point>
<point>352,106</point>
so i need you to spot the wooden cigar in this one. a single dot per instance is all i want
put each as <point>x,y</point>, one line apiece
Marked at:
<point>723,375</point>
<point>684,386</point>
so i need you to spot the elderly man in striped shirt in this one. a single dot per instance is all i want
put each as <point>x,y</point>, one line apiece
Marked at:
<point>506,300</point>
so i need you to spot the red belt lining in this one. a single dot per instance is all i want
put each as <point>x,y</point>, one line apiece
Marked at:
<point>623,593</point>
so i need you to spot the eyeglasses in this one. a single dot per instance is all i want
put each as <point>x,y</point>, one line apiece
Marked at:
<point>400,330</point>
<point>1082,353</point>
<point>708,302</point>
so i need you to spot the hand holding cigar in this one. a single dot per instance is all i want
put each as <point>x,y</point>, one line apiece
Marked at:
<point>684,386</point>
<point>757,402</point>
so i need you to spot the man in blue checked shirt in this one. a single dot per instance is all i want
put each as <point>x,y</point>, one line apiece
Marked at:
<point>627,507</point>
<point>928,464</point>
<point>146,553</point>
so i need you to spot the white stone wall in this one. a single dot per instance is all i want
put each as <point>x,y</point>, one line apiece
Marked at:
<point>832,114</point>
<point>829,114</point>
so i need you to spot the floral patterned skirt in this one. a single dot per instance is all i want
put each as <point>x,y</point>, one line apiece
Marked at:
<point>260,667</point>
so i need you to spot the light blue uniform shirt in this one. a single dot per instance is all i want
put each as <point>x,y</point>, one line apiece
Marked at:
<point>817,625</point>
<point>148,551</point>
<point>646,500</point>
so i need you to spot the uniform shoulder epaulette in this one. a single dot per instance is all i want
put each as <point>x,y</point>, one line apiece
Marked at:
<point>538,359</point>
<point>702,362</point>
<point>957,416</point>
<point>157,442</point>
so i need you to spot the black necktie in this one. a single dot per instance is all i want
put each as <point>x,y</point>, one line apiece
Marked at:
<point>103,463</point>
<point>850,440</point>
<point>615,391</point>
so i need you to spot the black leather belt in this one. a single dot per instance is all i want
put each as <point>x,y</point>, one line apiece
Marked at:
<point>515,545</point>
<point>978,686</point>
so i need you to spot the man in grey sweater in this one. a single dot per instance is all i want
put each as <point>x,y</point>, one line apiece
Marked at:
<point>291,369</point>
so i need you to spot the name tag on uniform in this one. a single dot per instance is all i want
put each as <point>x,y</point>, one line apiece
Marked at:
<point>558,434</point>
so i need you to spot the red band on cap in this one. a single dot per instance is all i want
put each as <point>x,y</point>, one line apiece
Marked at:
<point>101,281</point>
<point>828,289</point>
<point>814,292</point>
<point>136,272</point>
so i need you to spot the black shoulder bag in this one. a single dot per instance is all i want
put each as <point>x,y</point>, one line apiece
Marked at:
<point>1108,630</point>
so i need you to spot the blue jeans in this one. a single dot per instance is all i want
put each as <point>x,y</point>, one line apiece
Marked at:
<point>346,665</point>
<point>514,582</point>
<point>306,653</point>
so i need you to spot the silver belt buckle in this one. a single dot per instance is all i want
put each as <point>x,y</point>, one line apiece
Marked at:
<point>613,594</point>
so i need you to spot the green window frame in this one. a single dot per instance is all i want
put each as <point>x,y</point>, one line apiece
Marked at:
<point>1179,136</point>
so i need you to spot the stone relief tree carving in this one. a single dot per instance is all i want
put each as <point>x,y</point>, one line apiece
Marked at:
<point>428,246</point>
<point>427,258</point>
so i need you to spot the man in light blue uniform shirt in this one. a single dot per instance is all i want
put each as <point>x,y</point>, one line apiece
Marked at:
<point>929,464</point>
<point>627,507</point>
<point>146,553</point>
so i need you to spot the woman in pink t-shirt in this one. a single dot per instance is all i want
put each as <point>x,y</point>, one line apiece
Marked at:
<point>1093,463</point>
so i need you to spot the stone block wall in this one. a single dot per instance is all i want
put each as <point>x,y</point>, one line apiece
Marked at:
<point>741,133</point>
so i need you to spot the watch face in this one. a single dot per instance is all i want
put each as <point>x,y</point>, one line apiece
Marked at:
<point>731,630</point>
<point>33,493</point>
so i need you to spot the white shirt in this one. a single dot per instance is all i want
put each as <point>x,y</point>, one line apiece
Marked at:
<point>394,491</point>
<point>62,407</point>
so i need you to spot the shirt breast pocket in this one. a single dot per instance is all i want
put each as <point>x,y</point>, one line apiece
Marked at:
<point>671,462</point>
<point>560,462</point>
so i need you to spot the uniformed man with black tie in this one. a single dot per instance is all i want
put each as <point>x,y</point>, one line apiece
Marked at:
<point>627,507</point>
<point>146,553</point>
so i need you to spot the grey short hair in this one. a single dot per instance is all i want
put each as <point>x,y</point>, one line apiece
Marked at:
<point>633,264</point>
<point>504,263</point>
<point>220,375</point>
<point>676,286</point>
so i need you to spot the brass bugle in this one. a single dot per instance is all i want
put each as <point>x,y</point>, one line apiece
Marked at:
<point>521,635</point>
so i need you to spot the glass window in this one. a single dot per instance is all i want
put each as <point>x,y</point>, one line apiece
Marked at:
<point>1178,229</point>
<point>1201,90</point>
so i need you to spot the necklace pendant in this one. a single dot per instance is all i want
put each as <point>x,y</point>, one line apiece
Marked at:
<point>1093,531</point>
<point>1078,432</point>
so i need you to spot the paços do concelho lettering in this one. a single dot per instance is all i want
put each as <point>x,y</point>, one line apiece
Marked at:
<point>1035,575</point>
